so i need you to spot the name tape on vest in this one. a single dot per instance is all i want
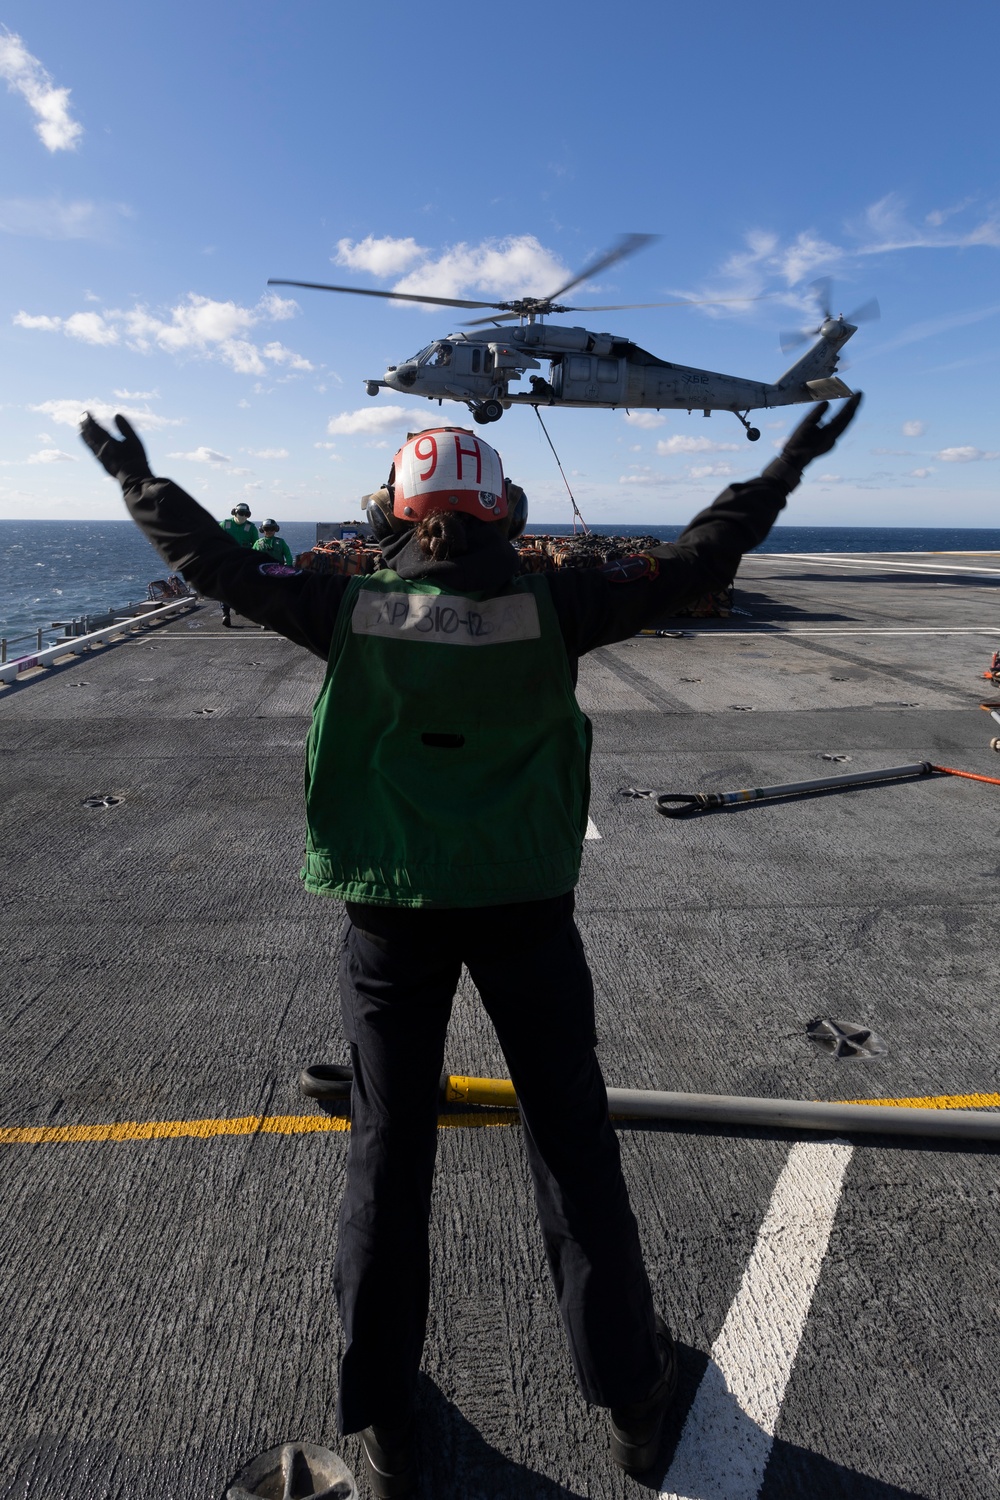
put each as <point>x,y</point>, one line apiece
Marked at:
<point>446,619</point>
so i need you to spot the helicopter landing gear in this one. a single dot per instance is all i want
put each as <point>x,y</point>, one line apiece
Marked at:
<point>753,433</point>
<point>488,411</point>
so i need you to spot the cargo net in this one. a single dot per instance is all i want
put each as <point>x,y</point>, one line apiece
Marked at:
<point>536,554</point>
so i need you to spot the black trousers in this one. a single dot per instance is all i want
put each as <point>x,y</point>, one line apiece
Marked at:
<point>398,975</point>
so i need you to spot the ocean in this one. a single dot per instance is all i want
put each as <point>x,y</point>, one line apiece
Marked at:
<point>59,570</point>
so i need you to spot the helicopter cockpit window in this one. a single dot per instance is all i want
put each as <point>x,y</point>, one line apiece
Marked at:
<point>421,355</point>
<point>442,357</point>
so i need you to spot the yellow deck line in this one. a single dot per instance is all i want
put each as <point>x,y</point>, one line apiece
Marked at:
<point>172,1130</point>
<point>936,1101</point>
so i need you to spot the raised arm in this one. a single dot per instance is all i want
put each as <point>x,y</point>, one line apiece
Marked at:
<point>301,606</point>
<point>602,605</point>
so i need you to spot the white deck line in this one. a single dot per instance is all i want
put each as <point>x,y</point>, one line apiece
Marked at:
<point>592,832</point>
<point>840,560</point>
<point>726,1441</point>
<point>767,631</point>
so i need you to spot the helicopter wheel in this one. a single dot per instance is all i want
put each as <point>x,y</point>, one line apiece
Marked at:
<point>753,433</point>
<point>492,411</point>
<point>479,414</point>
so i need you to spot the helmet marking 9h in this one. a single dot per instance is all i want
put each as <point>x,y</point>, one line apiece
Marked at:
<point>448,468</point>
<point>445,469</point>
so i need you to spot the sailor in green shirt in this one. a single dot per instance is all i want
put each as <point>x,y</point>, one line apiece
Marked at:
<point>242,530</point>
<point>240,527</point>
<point>275,546</point>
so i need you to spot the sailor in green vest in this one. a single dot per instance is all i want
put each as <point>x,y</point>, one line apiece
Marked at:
<point>449,699</point>
<point>274,545</point>
<point>239,526</point>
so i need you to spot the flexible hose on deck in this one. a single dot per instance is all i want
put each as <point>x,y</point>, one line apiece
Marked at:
<point>332,1084</point>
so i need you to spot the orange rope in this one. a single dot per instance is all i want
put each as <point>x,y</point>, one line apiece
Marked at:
<point>970,775</point>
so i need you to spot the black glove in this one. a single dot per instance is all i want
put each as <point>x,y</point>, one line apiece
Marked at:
<point>125,460</point>
<point>810,440</point>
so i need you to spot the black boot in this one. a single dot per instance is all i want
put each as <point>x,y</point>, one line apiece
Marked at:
<point>391,1460</point>
<point>636,1429</point>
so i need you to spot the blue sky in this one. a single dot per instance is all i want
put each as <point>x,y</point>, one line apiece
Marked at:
<point>160,163</point>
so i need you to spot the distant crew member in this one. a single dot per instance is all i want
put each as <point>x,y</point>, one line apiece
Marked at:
<point>274,545</point>
<point>449,700</point>
<point>242,530</point>
<point>541,390</point>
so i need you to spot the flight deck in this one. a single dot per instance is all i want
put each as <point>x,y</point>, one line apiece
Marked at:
<point>170,1199</point>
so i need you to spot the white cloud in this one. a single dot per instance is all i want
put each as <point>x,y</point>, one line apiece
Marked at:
<point>643,474</point>
<point>26,76</point>
<point>937,216</point>
<point>647,419</point>
<point>827,478</point>
<point>931,327</point>
<point>914,429</point>
<point>890,229</point>
<point>41,320</point>
<point>371,419</point>
<point>679,444</point>
<point>69,413</point>
<point>89,327</point>
<point>703,471</point>
<point>137,395</point>
<point>920,473</point>
<point>806,253</point>
<point>197,326</point>
<point>267,452</point>
<point>884,227</point>
<point>516,266</point>
<point>279,355</point>
<point>384,257</point>
<point>963,455</point>
<point>51,456</point>
<point>204,455</point>
<point>53,219</point>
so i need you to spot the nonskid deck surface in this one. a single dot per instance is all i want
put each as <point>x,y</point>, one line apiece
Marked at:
<point>166,1309</point>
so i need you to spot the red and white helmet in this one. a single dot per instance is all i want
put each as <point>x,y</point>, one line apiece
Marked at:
<point>447,469</point>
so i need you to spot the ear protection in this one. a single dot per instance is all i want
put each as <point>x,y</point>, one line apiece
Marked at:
<point>378,509</point>
<point>517,509</point>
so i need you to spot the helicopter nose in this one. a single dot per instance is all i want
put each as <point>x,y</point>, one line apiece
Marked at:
<point>403,375</point>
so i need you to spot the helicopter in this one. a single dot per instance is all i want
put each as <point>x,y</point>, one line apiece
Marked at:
<point>599,369</point>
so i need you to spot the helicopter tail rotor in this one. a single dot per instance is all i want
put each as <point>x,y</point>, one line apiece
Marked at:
<point>822,290</point>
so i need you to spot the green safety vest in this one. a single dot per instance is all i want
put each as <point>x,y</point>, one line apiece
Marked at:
<point>276,547</point>
<point>448,762</point>
<point>244,532</point>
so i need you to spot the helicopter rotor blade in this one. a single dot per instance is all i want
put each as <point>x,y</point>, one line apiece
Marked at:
<point>496,318</point>
<point>679,302</point>
<point>794,337</point>
<point>363,291</point>
<point>868,312</point>
<point>623,306</point>
<point>822,290</point>
<point>627,245</point>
